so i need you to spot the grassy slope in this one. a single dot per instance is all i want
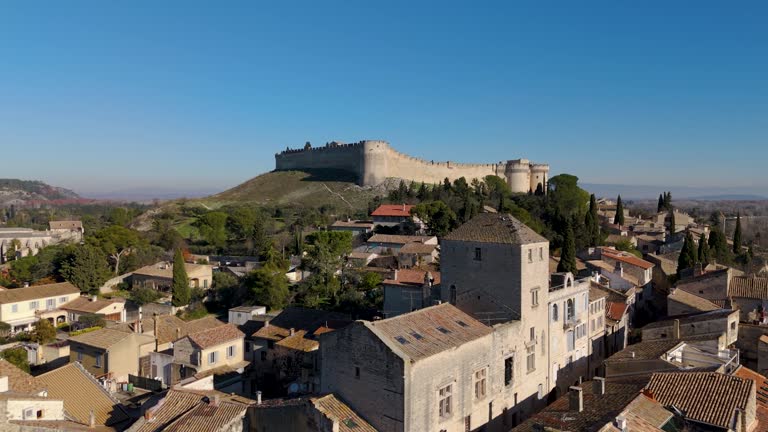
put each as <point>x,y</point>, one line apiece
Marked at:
<point>298,188</point>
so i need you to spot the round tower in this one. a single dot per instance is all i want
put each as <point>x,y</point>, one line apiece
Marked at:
<point>539,176</point>
<point>518,174</point>
<point>373,162</point>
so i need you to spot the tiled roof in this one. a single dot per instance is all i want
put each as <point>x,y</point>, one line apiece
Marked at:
<point>495,228</point>
<point>82,394</point>
<point>19,381</point>
<point>626,258</point>
<point>412,277</point>
<point>167,326</point>
<point>338,411</point>
<point>203,324</point>
<point>107,337</point>
<point>748,287</point>
<point>14,295</point>
<point>706,397</point>
<point>299,341</point>
<point>598,411</point>
<point>85,304</point>
<point>66,224</point>
<point>393,210</point>
<point>647,350</point>
<point>761,384</point>
<point>692,300</point>
<point>185,410</point>
<point>648,413</point>
<point>398,239</point>
<point>309,320</point>
<point>215,336</point>
<point>417,248</point>
<point>691,318</point>
<point>353,224</point>
<point>429,331</point>
<point>615,310</point>
<point>165,270</point>
<point>595,293</point>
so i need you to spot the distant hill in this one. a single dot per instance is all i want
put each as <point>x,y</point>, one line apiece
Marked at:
<point>639,192</point>
<point>30,192</point>
<point>302,189</point>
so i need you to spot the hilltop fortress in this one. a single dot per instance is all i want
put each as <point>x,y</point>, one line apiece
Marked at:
<point>372,162</point>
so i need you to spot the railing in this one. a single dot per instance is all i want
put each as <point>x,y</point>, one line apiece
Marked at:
<point>145,383</point>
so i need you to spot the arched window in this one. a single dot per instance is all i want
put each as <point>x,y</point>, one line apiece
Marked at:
<point>570,311</point>
<point>554,312</point>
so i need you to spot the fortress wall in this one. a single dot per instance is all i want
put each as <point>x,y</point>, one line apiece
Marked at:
<point>347,157</point>
<point>410,168</point>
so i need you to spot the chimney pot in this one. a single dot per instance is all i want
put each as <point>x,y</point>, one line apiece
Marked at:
<point>94,298</point>
<point>266,323</point>
<point>676,329</point>
<point>215,400</point>
<point>621,423</point>
<point>293,331</point>
<point>92,419</point>
<point>258,397</point>
<point>576,399</point>
<point>599,385</point>
<point>632,353</point>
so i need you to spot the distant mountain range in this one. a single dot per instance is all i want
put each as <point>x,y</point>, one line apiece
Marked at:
<point>147,194</point>
<point>32,192</point>
<point>639,192</point>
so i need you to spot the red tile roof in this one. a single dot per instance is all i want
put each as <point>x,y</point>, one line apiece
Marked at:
<point>615,310</point>
<point>393,210</point>
<point>412,277</point>
<point>215,336</point>
<point>627,258</point>
<point>762,394</point>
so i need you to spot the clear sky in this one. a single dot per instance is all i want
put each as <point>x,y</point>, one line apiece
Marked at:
<point>99,96</point>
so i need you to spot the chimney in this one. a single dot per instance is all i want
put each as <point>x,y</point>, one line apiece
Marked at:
<point>598,384</point>
<point>403,206</point>
<point>632,353</point>
<point>621,423</point>
<point>178,333</point>
<point>141,316</point>
<point>293,331</point>
<point>676,329</point>
<point>427,279</point>
<point>575,399</point>
<point>157,334</point>
<point>395,275</point>
<point>258,397</point>
<point>92,419</point>
<point>94,298</point>
<point>619,269</point>
<point>215,401</point>
<point>266,323</point>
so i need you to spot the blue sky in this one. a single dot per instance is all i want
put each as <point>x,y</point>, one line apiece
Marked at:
<point>100,96</point>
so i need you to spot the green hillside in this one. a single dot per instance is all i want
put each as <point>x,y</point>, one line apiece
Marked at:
<point>301,189</point>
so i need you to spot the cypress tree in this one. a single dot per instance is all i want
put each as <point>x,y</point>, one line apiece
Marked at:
<point>672,222</point>
<point>660,206</point>
<point>703,249</point>
<point>619,218</point>
<point>592,222</point>
<point>668,200</point>
<point>180,290</point>
<point>687,256</point>
<point>737,236</point>
<point>568,255</point>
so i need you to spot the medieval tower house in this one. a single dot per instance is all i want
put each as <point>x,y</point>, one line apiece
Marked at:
<point>372,162</point>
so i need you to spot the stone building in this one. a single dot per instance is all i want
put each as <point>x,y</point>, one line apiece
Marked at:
<point>372,162</point>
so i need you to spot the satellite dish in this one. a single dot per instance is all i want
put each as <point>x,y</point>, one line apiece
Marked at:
<point>293,388</point>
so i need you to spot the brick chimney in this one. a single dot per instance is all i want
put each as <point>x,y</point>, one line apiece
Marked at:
<point>575,399</point>
<point>598,385</point>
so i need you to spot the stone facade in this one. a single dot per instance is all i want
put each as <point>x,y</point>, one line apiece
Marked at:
<point>372,162</point>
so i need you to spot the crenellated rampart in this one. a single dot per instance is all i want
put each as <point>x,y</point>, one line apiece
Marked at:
<point>374,161</point>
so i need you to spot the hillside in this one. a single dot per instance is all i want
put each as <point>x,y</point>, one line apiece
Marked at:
<point>25,192</point>
<point>302,189</point>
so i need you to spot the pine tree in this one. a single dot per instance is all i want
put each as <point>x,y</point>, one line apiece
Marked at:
<point>687,257</point>
<point>180,290</point>
<point>703,249</point>
<point>423,193</point>
<point>568,255</point>
<point>660,207</point>
<point>737,236</point>
<point>619,218</point>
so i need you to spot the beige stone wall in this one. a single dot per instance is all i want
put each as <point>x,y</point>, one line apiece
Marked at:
<point>51,409</point>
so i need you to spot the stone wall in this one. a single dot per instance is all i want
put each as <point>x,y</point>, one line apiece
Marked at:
<point>372,162</point>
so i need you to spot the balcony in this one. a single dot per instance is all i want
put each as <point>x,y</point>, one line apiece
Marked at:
<point>570,323</point>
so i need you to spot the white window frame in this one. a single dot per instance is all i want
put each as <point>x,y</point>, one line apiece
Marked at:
<point>230,351</point>
<point>445,401</point>
<point>15,308</point>
<point>480,381</point>
<point>212,357</point>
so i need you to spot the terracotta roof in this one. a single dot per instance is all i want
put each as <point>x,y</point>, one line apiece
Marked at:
<point>692,300</point>
<point>85,304</point>
<point>19,381</point>
<point>615,310</point>
<point>353,224</point>
<point>691,318</point>
<point>706,397</point>
<point>647,350</point>
<point>339,412</point>
<point>595,293</point>
<point>165,270</point>
<point>598,411</point>
<point>168,324</point>
<point>14,295</point>
<point>202,324</point>
<point>417,248</point>
<point>748,287</point>
<point>107,337</point>
<point>393,210</point>
<point>398,239</point>
<point>412,277</point>
<point>191,411</point>
<point>66,224</point>
<point>646,414</point>
<point>82,394</point>
<point>429,331</point>
<point>627,258</point>
<point>299,341</point>
<point>495,228</point>
<point>761,386</point>
<point>215,336</point>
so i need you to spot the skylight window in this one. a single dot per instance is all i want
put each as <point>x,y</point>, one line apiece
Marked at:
<point>443,330</point>
<point>417,336</point>
<point>462,323</point>
<point>402,340</point>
